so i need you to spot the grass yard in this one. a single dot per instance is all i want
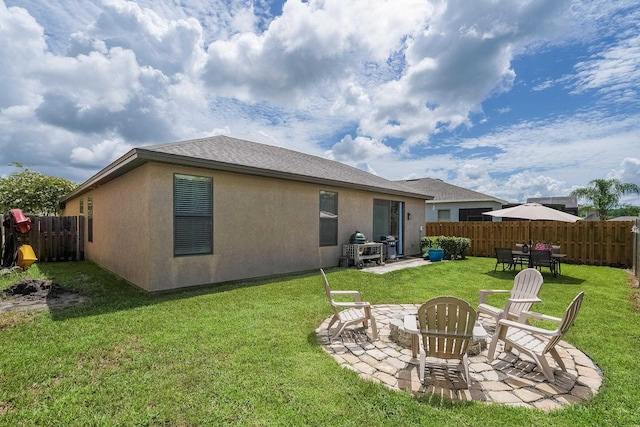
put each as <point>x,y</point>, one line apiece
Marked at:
<point>246,353</point>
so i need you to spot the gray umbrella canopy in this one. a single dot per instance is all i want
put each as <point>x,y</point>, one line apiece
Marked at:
<point>534,211</point>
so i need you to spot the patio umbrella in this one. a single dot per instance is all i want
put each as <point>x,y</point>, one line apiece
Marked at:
<point>533,211</point>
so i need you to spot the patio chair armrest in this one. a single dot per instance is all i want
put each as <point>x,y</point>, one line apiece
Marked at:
<point>356,304</point>
<point>521,300</point>
<point>540,316</point>
<point>354,294</point>
<point>526,327</point>
<point>411,324</point>
<point>521,317</point>
<point>484,293</point>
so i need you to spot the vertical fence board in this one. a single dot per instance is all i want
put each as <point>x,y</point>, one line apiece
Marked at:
<point>56,239</point>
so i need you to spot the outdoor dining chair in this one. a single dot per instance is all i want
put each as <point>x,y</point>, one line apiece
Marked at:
<point>544,259</point>
<point>348,312</point>
<point>536,342</point>
<point>505,257</point>
<point>555,249</point>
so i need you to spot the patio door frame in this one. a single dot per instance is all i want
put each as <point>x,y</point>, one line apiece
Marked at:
<point>388,219</point>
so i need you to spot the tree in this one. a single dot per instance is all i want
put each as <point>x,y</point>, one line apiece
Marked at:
<point>33,192</point>
<point>626,210</point>
<point>605,194</point>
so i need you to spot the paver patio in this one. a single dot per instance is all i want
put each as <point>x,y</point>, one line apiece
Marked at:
<point>509,380</point>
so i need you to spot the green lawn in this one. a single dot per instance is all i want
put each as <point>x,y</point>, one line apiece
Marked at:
<point>246,353</point>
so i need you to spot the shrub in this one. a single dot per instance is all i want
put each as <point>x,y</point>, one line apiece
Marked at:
<point>427,243</point>
<point>454,247</point>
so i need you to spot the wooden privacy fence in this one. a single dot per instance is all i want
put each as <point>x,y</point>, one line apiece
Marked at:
<point>55,238</point>
<point>584,242</point>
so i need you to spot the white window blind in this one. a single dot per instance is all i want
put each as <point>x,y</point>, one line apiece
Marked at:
<point>192,215</point>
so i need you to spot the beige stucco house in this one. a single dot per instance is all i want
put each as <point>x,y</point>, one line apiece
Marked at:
<point>219,209</point>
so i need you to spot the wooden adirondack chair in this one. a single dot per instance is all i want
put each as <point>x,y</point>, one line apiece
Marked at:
<point>446,326</point>
<point>349,312</point>
<point>537,342</point>
<point>526,286</point>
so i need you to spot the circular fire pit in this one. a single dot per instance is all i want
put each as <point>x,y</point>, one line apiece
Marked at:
<point>397,332</point>
<point>403,338</point>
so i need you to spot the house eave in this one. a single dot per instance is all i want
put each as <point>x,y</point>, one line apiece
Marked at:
<point>122,165</point>
<point>138,156</point>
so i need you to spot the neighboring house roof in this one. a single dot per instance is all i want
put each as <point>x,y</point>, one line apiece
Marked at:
<point>236,155</point>
<point>624,218</point>
<point>568,201</point>
<point>446,193</point>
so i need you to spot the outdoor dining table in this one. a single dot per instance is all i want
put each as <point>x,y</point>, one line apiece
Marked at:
<point>411,326</point>
<point>528,255</point>
<point>554,256</point>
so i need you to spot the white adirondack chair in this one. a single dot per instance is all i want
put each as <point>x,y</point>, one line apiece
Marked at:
<point>348,312</point>
<point>534,341</point>
<point>446,325</point>
<point>526,286</point>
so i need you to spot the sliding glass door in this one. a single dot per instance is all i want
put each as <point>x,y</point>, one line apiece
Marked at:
<point>388,221</point>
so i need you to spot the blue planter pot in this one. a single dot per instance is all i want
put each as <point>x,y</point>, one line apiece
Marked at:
<point>436,255</point>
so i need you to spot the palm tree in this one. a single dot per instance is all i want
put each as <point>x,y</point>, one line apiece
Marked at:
<point>605,194</point>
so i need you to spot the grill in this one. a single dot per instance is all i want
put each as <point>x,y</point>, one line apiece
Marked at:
<point>357,238</point>
<point>389,247</point>
<point>359,251</point>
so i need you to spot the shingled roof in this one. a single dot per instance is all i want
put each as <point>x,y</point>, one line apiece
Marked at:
<point>446,193</point>
<point>567,201</point>
<point>236,155</point>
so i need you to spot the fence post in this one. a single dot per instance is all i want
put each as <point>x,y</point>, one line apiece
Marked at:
<point>636,248</point>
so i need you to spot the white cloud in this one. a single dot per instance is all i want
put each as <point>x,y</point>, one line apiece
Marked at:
<point>462,57</point>
<point>310,50</point>
<point>360,149</point>
<point>537,158</point>
<point>94,81</point>
<point>19,58</point>
<point>613,72</point>
<point>531,184</point>
<point>169,45</point>
<point>629,172</point>
<point>100,154</point>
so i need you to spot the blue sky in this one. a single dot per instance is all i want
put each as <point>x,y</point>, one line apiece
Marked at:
<point>514,99</point>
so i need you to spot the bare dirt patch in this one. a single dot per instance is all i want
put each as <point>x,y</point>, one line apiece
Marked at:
<point>34,294</point>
